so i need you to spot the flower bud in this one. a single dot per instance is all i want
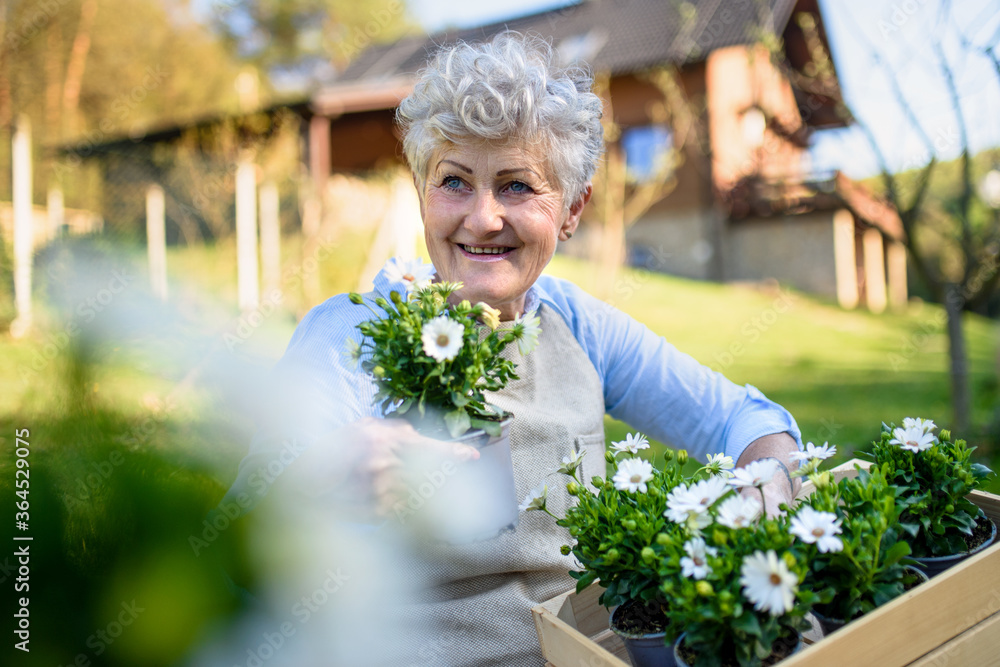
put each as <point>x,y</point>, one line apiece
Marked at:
<point>822,480</point>
<point>381,302</point>
<point>355,298</point>
<point>704,589</point>
<point>609,457</point>
<point>611,556</point>
<point>944,435</point>
<point>647,555</point>
<point>719,537</point>
<point>788,558</point>
<point>396,299</point>
<point>598,482</point>
<point>564,550</point>
<point>682,456</point>
<point>949,508</point>
<point>629,524</point>
<point>668,454</point>
<point>378,372</point>
<point>573,489</point>
<point>664,540</point>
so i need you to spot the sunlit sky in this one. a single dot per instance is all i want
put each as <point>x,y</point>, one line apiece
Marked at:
<point>902,30</point>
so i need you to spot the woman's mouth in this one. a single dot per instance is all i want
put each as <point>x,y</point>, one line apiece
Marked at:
<point>485,252</point>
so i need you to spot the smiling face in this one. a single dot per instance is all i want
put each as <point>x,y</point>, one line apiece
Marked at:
<point>492,216</point>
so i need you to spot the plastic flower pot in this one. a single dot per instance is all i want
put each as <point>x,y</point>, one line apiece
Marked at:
<point>479,502</point>
<point>644,649</point>
<point>770,660</point>
<point>935,565</point>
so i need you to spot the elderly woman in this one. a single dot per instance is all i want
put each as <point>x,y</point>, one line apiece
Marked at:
<point>503,144</point>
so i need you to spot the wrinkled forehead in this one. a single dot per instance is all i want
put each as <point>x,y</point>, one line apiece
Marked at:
<point>489,157</point>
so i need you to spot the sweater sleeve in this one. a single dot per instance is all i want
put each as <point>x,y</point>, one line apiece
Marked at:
<point>654,387</point>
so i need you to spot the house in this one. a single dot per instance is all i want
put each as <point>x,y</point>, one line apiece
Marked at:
<point>746,206</point>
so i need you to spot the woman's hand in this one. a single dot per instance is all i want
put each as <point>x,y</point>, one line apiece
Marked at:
<point>374,458</point>
<point>782,488</point>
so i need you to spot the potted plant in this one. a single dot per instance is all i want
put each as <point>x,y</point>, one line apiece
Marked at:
<point>933,476</point>
<point>615,523</point>
<point>432,362</point>
<point>852,540</point>
<point>735,584</point>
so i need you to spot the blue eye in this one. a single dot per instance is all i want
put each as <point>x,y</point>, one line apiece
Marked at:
<point>452,182</point>
<point>518,186</point>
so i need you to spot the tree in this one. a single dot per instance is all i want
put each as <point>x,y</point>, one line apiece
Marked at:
<point>298,42</point>
<point>951,233</point>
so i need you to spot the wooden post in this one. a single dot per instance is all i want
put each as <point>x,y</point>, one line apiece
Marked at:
<point>56,211</point>
<point>23,224</point>
<point>246,234</point>
<point>845,259</point>
<point>270,236</point>
<point>874,270</point>
<point>896,259</point>
<point>156,241</point>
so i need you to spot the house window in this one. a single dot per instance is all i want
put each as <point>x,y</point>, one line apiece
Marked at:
<point>646,147</point>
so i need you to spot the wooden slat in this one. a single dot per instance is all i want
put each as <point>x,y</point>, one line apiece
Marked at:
<point>979,645</point>
<point>564,646</point>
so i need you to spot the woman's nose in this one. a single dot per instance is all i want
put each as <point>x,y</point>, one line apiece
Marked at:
<point>486,215</point>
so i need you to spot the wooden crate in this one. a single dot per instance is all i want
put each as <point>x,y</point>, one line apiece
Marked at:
<point>954,619</point>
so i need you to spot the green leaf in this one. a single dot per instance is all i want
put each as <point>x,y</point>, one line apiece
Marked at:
<point>584,580</point>
<point>747,622</point>
<point>458,422</point>
<point>898,552</point>
<point>979,471</point>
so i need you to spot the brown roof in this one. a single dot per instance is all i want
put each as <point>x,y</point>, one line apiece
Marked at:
<point>618,35</point>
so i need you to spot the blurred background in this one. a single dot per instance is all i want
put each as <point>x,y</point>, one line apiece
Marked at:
<point>802,194</point>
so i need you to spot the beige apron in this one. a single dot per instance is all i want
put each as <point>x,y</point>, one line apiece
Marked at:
<point>479,611</point>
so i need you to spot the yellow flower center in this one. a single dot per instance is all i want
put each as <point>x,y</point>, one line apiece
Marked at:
<point>409,277</point>
<point>442,340</point>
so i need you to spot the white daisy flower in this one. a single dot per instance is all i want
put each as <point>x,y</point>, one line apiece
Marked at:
<point>695,564</point>
<point>720,464</point>
<point>925,424</point>
<point>768,583</point>
<point>632,475</point>
<point>414,274</point>
<point>811,452</point>
<point>536,498</point>
<point>819,528</point>
<point>352,352</point>
<point>572,462</point>
<point>442,338</point>
<point>690,504</point>
<point>631,444</point>
<point>755,473</point>
<point>915,438</point>
<point>738,512</point>
<point>528,340</point>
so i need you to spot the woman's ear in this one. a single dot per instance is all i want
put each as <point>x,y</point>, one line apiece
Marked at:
<point>575,211</point>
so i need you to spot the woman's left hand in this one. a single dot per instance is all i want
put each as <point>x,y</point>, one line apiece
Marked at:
<point>782,488</point>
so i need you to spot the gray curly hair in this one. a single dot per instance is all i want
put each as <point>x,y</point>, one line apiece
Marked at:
<point>502,90</point>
